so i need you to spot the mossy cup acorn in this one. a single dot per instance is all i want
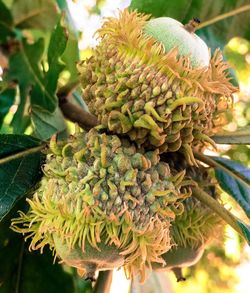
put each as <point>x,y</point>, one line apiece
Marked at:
<point>141,82</point>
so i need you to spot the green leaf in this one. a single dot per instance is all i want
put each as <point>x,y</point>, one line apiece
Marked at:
<point>20,162</point>
<point>6,22</point>
<point>235,180</point>
<point>25,272</point>
<point>57,46</point>
<point>245,230</point>
<point>7,98</point>
<point>24,67</point>
<point>216,34</point>
<point>46,124</point>
<point>241,136</point>
<point>35,14</point>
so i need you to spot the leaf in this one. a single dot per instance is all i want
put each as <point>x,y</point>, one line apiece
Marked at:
<point>7,98</point>
<point>241,136</point>
<point>245,229</point>
<point>25,272</point>
<point>57,46</point>
<point>235,180</point>
<point>216,34</point>
<point>24,67</point>
<point>18,174</point>
<point>46,124</point>
<point>6,22</point>
<point>35,14</point>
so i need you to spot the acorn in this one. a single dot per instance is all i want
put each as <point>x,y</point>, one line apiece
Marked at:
<point>103,203</point>
<point>154,82</point>
<point>194,229</point>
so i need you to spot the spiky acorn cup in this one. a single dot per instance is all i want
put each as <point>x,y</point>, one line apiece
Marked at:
<point>158,98</point>
<point>196,227</point>
<point>99,194</point>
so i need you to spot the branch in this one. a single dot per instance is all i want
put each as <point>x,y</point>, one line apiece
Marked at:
<point>206,199</point>
<point>73,112</point>
<point>103,282</point>
<point>223,16</point>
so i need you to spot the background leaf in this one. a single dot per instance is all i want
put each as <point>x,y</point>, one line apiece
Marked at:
<point>36,14</point>
<point>7,98</point>
<point>6,22</point>
<point>18,175</point>
<point>235,180</point>
<point>25,272</point>
<point>57,46</point>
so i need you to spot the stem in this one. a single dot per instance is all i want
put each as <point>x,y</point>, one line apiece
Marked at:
<point>225,15</point>
<point>103,282</point>
<point>206,199</point>
<point>237,137</point>
<point>214,164</point>
<point>73,112</point>
<point>22,154</point>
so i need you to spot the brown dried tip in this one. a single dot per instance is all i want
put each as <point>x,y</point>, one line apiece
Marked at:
<point>191,26</point>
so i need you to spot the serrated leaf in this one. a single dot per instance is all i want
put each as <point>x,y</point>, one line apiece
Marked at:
<point>241,136</point>
<point>6,22</point>
<point>46,124</point>
<point>218,33</point>
<point>25,272</point>
<point>35,14</point>
<point>235,180</point>
<point>7,98</point>
<point>17,174</point>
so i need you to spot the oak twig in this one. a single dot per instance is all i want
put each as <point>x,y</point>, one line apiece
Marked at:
<point>73,112</point>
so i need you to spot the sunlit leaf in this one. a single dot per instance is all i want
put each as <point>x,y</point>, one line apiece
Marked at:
<point>235,180</point>
<point>17,174</point>
<point>35,14</point>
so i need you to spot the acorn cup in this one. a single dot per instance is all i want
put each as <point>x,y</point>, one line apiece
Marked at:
<point>154,81</point>
<point>103,203</point>
<point>193,230</point>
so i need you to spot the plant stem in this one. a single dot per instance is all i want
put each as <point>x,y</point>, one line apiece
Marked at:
<point>22,154</point>
<point>206,199</point>
<point>224,16</point>
<point>237,137</point>
<point>73,112</point>
<point>103,282</point>
<point>212,163</point>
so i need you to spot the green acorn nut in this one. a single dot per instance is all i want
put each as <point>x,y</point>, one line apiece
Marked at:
<point>103,203</point>
<point>141,82</point>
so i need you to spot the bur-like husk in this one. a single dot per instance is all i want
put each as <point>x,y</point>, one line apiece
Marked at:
<point>155,98</point>
<point>96,188</point>
<point>197,226</point>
